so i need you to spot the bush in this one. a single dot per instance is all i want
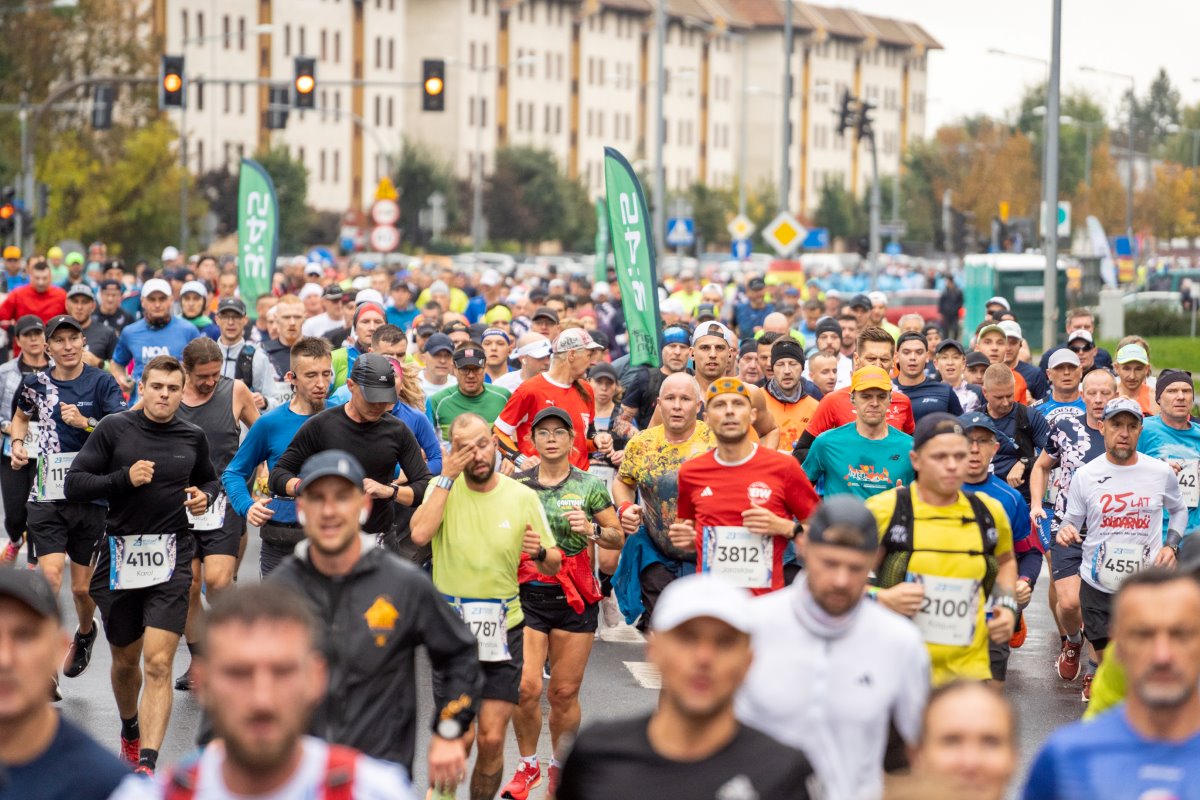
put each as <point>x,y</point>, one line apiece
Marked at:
<point>1147,322</point>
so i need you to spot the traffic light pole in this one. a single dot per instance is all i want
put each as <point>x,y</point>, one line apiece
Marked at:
<point>874,215</point>
<point>183,182</point>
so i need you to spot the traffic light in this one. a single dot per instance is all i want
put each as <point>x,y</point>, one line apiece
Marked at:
<point>277,107</point>
<point>863,125</point>
<point>8,210</point>
<point>304,87</point>
<point>433,84</point>
<point>102,106</point>
<point>845,113</point>
<point>171,83</point>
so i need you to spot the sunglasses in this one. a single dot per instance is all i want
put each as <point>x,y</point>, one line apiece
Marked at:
<point>1087,348</point>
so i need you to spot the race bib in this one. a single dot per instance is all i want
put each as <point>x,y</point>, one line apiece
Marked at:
<point>52,475</point>
<point>1115,561</point>
<point>1052,487</point>
<point>604,473</point>
<point>949,610</point>
<point>140,561</point>
<point>1189,485</point>
<point>212,519</point>
<point>738,556</point>
<point>32,442</point>
<point>488,621</point>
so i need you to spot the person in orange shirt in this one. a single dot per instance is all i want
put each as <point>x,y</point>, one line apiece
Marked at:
<point>1133,368</point>
<point>992,341</point>
<point>784,393</point>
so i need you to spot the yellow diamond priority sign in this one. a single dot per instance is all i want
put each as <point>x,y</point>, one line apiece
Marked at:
<point>740,227</point>
<point>784,234</point>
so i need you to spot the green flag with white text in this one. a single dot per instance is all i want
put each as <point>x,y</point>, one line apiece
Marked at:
<point>633,252</point>
<point>258,233</point>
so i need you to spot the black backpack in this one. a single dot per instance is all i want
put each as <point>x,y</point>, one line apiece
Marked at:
<point>244,369</point>
<point>898,541</point>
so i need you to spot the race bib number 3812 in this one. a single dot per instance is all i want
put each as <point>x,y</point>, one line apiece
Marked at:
<point>738,556</point>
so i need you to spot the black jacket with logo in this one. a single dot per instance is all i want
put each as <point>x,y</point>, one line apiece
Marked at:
<point>372,621</point>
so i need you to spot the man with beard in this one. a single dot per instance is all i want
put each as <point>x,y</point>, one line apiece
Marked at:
<point>267,633</point>
<point>157,333</point>
<point>784,394</point>
<point>839,698</point>
<point>479,527</point>
<point>1174,438</point>
<point>646,492</point>
<point>740,504</point>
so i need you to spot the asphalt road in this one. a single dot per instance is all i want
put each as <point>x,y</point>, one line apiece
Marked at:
<point>611,689</point>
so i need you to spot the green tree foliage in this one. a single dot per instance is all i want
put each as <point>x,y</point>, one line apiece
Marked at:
<point>838,211</point>
<point>122,188</point>
<point>1081,113</point>
<point>1154,113</point>
<point>711,209</point>
<point>420,173</point>
<point>290,177</point>
<point>529,201</point>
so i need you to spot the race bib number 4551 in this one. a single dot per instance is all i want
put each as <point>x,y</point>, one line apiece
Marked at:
<point>738,556</point>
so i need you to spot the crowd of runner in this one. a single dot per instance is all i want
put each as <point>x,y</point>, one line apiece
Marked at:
<point>827,524</point>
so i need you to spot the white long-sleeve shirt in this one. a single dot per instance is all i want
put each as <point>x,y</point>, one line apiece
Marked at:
<point>262,374</point>
<point>1123,508</point>
<point>833,697</point>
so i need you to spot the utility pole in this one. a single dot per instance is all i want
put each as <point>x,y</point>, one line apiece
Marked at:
<point>785,171</point>
<point>1050,183</point>
<point>660,174</point>
<point>183,179</point>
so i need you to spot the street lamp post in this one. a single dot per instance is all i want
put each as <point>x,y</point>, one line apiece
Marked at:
<point>1129,186</point>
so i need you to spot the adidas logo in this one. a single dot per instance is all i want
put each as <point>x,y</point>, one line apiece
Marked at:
<point>708,492</point>
<point>504,525</point>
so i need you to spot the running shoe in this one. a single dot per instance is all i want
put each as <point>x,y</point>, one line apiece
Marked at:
<point>9,555</point>
<point>611,612</point>
<point>1018,637</point>
<point>525,781</point>
<point>131,750</point>
<point>79,654</point>
<point>184,682</point>
<point>553,778</point>
<point>1086,693</point>
<point>144,769</point>
<point>1068,660</point>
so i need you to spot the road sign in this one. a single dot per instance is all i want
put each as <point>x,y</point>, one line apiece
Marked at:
<point>741,249</point>
<point>895,227</point>
<point>386,190</point>
<point>892,249</point>
<point>681,232</point>
<point>385,212</point>
<point>817,239</point>
<point>740,227</point>
<point>1063,221</point>
<point>784,233</point>
<point>384,238</point>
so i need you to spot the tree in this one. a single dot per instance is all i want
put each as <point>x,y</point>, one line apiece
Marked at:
<point>578,232</point>
<point>1105,197</point>
<point>1080,112</point>
<point>220,189</point>
<point>1169,207</point>
<point>525,197</point>
<point>838,211</point>
<point>1184,145</point>
<point>711,209</point>
<point>419,174</point>
<point>122,188</point>
<point>1153,114</point>
<point>290,177</point>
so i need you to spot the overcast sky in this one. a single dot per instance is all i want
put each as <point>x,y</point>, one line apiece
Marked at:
<point>1135,38</point>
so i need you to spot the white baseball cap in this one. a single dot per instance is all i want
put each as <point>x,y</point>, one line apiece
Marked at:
<point>194,287</point>
<point>155,285</point>
<point>369,296</point>
<point>314,268</point>
<point>1011,329</point>
<point>713,328</point>
<point>1063,355</point>
<point>170,253</point>
<point>310,290</point>
<point>702,595</point>
<point>877,298</point>
<point>490,277</point>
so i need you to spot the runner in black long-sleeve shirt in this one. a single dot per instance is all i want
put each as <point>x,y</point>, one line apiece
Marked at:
<point>365,428</point>
<point>152,468</point>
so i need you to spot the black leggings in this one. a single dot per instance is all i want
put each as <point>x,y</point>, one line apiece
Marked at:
<point>14,486</point>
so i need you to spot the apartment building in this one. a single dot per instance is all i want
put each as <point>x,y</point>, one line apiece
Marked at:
<point>569,76</point>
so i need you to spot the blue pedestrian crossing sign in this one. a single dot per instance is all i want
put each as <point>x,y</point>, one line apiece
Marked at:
<point>741,249</point>
<point>681,232</point>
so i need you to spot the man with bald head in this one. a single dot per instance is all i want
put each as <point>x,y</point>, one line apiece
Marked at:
<point>646,492</point>
<point>776,322</point>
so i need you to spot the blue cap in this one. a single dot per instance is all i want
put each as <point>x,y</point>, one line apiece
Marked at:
<point>977,419</point>
<point>331,462</point>
<point>676,336</point>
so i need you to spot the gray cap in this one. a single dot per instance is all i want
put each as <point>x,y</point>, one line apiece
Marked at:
<point>81,290</point>
<point>331,462</point>
<point>31,589</point>
<point>848,514</point>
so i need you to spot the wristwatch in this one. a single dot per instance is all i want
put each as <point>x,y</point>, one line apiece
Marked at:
<point>1174,549</point>
<point>443,482</point>
<point>450,728</point>
<point>595,537</point>
<point>1006,601</point>
<point>395,491</point>
<point>541,555</point>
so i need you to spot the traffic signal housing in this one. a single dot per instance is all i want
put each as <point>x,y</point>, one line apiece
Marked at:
<point>102,106</point>
<point>304,87</point>
<point>171,83</point>
<point>845,113</point>
<point>8,210</point>
<point>433,84</point>
<point>863,124</point>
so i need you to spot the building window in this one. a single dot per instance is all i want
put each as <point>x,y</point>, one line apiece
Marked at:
<point>303,49</point>
<point>391,53</point>
<point>546,126</point>
<point>324,51</point>
<point>241,98</point>
<point>228,99</point>
<point>183,28</point>
<point>226,31</point>
<point>378,107</point>
<point>287,40</point>
<point>199,96</point>
<point>378,52</point>
<point>558,119</point>
<point>199,24</point>
<point>337,164</point>
<point>484,59</point>
<point>471,112</point>
<point>241,33</point>
<point>321,172</point>
<point>391,107</point>
<point>483,112</point>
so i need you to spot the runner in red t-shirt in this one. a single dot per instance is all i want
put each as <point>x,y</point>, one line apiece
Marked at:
<point>561,386</point>
<point>738,504</point>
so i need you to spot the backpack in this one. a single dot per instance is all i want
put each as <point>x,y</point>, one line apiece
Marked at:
<point>244,369</point>
<point>1024,437</point>
<point>338,783</point>
<point>898,542</point>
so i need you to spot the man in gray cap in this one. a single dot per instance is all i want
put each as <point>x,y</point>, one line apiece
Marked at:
<point>101,340</point>
<point>44,755</point>
<point>825,634</point>
<point>242,360</point>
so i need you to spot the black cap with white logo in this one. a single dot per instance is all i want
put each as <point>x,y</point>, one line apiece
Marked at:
<point>375,377</point>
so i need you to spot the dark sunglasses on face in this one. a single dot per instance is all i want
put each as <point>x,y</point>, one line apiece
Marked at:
<point>1087,348</point>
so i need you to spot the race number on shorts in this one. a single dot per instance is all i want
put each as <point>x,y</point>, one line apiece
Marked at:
<point>738,556</point>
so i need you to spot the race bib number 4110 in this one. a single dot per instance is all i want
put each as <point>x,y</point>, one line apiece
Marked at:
<point>140,561</point>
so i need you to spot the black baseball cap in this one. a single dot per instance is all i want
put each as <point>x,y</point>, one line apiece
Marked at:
<point>604,370</point>
<point>977,359</point>
<point>29,322</point>
<point>828,325</point>
<point>755,284</point>
<point>546,312</point>
<point>553,412</point>
<point>374,375</point>
<point>32,589</point>
<point>233,304</point>
<point>62,321</point>
<point>912,336</point>
<point>469,355</point>
<point>855,524</point>
<point>438,343</point>
<point>426,329</point>
<point>936,424</point>
<point>455,326</point>
<point>333,292</point>
<point>332,462</point>
<point>947,344</point>
<point>859,301</point>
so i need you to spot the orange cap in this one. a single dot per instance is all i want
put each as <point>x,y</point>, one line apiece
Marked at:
<point>870,378</point>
